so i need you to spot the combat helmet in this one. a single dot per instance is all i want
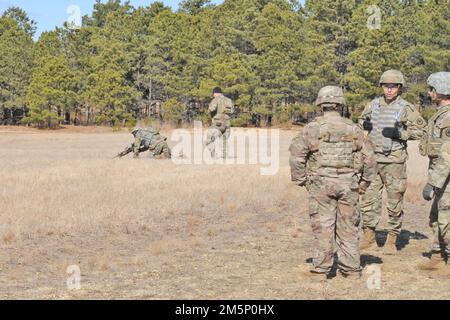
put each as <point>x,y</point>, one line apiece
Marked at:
<point>332,95</point>
<point>393,76</point>
<point>135,130</point>
<point>440,81</point>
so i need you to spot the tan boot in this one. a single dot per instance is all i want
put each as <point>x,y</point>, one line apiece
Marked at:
<point>436,262</point>
<point>389,247</point>
<point>368,239</point>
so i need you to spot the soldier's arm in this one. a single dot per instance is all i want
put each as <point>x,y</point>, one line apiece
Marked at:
<point>414,123</point>
<point>367,113</point>
<point>233,109</point>
<point>370,164</point>
<point>439,174</point>
<point>137,145</point>
<point>213,106</point>
<point>366,158</point>
<point>299,152</point>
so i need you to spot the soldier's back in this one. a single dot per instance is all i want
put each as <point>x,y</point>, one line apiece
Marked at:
<point>224,105</point>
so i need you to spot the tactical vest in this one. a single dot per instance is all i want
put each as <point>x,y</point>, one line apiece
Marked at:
<point>147,137</point>
<point>336,148</point>
<point>386,117</point>
<point>431,143</point>
<point>224,106</point>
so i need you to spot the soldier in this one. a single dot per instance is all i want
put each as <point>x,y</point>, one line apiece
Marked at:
<point>335,163</point>
<point>221,108</point>
<point>148,139</point>
<point>436,145</point>
<point>391,122</point>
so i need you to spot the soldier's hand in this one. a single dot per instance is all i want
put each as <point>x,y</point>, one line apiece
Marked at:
<point>392,133</point>
<point>363,186</point>
<point>367,125</point>
<point>428,192</point>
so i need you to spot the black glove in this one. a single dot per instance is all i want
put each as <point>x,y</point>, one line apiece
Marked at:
<point>302,183</point>
<point>392,133</point>
<point>428,192</point>
<point>367,125</point>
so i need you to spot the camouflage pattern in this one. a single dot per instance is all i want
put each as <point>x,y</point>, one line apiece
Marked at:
<point>221,108</point>
<point>331,160</point>
<point>436,146</point>
<point>440,81</point>
<point>150,139</point>
<point>312,181</point>
<point>391,157</point>
<point>393,77</point>
<point>330,94</point>
<point>393,176</point>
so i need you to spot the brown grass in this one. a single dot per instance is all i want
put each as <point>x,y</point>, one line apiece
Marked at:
<point>152,229</point>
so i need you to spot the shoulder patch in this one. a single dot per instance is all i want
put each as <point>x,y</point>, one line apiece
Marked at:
<point>420,121</point>
<point>446,133</point>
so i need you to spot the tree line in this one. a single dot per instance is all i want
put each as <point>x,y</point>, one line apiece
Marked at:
<point>270,56</point>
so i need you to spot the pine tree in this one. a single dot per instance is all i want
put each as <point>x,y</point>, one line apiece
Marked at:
<point>193,6</point>
<point>16,63</point>
<point>51,92</point>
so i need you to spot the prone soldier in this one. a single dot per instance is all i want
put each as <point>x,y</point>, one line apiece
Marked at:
<point>148,140</point>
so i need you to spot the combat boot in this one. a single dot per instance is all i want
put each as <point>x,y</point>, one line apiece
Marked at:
<point>436,262</point>
<point>368,239</point>
<point>390,247</point>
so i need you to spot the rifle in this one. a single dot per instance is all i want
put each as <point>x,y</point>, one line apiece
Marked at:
<point>129,150</point>
<point>125,152</point>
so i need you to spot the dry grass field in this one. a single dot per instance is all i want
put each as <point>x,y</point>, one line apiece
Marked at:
<point>147,229</point>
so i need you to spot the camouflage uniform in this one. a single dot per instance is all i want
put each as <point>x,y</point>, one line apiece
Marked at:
<point>436,145</point>
<point>331,157</point>
<point>222,108</point>
<point>152,140</point>
<point>312,185</point>
<point>439,129</point>
<point>391,157</point>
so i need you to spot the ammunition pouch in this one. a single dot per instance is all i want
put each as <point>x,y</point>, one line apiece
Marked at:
<point>430,148</point>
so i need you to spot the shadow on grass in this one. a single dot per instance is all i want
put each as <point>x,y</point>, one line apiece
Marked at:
<point>403,239</point>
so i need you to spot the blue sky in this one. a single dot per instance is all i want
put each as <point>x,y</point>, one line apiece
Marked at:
<point>51,13</point>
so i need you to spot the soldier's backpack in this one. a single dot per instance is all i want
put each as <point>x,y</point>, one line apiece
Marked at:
<point>337,145</point>
<point>225,106</point>
<point>147,137</point>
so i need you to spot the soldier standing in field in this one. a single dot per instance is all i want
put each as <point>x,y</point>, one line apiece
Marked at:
<point>391,122</point>
<point>221,109</point>
<point>436,145</point>
<point>335,163</point>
